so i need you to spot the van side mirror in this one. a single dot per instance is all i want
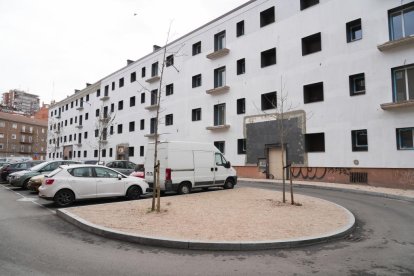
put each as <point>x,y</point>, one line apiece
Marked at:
<point>227,165</point>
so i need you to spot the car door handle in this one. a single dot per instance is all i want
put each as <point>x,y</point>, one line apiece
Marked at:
<point>211,169</point>
<point>216,169</point>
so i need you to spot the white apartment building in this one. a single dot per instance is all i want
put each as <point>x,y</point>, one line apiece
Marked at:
<point>344,70</point>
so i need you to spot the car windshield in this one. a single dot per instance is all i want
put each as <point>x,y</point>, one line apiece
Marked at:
<point>38,167</point>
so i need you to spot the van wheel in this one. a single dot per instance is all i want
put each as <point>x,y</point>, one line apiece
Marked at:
<point>133,193</point>
<point>228,184</point>
<point>64,198</point>
<point>184,189</point>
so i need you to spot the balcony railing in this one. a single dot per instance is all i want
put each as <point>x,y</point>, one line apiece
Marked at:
<point>218,54</point>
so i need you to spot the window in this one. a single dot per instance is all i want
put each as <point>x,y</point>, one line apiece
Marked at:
<point>143,72</point>
<point>315,142</point>
<point>304,4</point>
<point>241,146</point>
<point>119,128</point>
<point>70,137</point>
<point>106,92</point>
<point>96,133</point>
<point>241,106</point>
<point>220,145</point>
<point>154,96</point>
<point>141,151</point>
<point>268,57</point>
<point>87,98</point>
<point>95,153</point>
<point>153,123</point>
<point>311,44</point>
<point>85,154</point>
<point>196,80</point>
<point>120,105</point>
<point>131,151</point>
<point>132,101</point>
<point>403,83</point>
<point>267,17</point>
<point>220,41</point>
<point>142,124</point>
<point>357,84</point>
<point>113,85</point>
<point>169,120</point>
<point>131,126</point>
<point>170,60</point>
<point>111,130</point>
<point>197,48</point>
<point>196,114</point>
<point>240,28</point>
<point>405,138</point>
<point>359,140</point>
<point>313,92</point>
<point>2,124</point>
<point>71,119</point>
<point>86,117</point>
<point>154,69</point>
<point>121,82</point>
<point>14,125</point>
<point>1,135</point>
<point>110,152</point>
<point>103,152</point>
<point>269,100</point>
<point>143,97</point>
<point>220,77</point>
<point>219,114</point>
<point>353,30</point>
<point>133,76</point>
<point>241,66</point>
<point>85,135</point>
<point>401,21</point>
<point>112,107</point>
<point>169,89</point>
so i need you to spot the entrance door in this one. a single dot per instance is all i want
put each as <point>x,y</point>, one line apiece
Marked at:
<point>275,163</point>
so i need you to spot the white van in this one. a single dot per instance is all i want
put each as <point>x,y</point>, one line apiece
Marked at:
<point>188,165</point>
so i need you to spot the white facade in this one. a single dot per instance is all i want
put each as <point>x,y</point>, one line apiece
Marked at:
<point>337,115</point>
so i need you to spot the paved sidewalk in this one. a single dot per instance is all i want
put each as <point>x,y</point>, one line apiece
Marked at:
<point>386,192</point>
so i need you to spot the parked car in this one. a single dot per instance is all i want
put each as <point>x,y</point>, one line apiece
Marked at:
<point>69,183</point>
<point>90,162</point>
<point>139,171</point>
<point>35,182</point>
<point>122,166</point>
<point>188,165</point>
<point>15,167</point>
<point>21,178</point>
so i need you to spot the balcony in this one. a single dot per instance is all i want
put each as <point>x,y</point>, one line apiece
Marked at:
<point>26,142</point>
<point>153,79</point>
<point>218,127</point>
<point>26,131</point>
<point>389,45</point>
<point>80,108</point>
<point>151,135</point>
<point>151,107</point>
<point>218,90</point>
<point>218,54</point>
<point>79,126</point>
<point>105,98</point>
<point>397,105</point>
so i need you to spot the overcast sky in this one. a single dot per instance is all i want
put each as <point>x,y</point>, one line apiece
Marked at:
<point>51,47</point>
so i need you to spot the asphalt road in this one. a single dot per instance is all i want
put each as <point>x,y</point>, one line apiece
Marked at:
<point>34,241</point>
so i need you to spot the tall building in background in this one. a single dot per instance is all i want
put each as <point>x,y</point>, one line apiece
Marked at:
<point>17,100</point>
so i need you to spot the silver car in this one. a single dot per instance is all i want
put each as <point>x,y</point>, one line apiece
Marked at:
<point>122,166</point>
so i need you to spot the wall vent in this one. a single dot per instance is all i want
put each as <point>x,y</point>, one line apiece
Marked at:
<point>358,177</point>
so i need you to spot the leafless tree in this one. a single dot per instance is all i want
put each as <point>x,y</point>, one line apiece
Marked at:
<point>54,135</point>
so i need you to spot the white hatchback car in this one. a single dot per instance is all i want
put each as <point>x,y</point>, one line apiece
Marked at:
<point>69,183</point>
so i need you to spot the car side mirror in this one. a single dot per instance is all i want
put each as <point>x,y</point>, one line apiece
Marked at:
<point>119,177</point>
<point>227,165</point>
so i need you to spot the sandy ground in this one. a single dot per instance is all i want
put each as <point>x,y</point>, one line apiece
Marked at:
<point>243,214</point>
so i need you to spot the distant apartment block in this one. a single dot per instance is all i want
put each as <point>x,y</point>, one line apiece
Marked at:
<point>21,101</point>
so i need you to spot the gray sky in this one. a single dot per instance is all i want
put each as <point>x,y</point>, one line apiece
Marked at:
<point>51,47</point>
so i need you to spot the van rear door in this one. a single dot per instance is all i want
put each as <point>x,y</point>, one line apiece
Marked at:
<point>203,168</point>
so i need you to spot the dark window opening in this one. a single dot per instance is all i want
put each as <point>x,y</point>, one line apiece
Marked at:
<point>143,97</point>
<point>315,142</point>
<point>220,145</point>
<point>119,128</point>
<point>170,60</point>
<point>131,151</point>
<point>169,89</point>
<point>196,114</point>
<point>357,84</point>
<point>313,92</point>
<point>241,66</point>
<point>311,44</point>
<point>132,101</point>
<point>153,124</point>
<point>405,138</point>
<point>131,126</point>
<point>120,105</point>
<point>240,28</point>
<point>196,80</point>
<point>113,85</point>
<point>241,146</point>
<point>154,69</point>
<point>142,124</point>
<point>169,120</point>
<point>197,48</point>
<point>267,17</point>
<point>268,57</point>
<point>304,4</point>
<point>154,96</point>
<point>121,82</point>
<point>353,30</point>
<point>143,72</point>
<point>133,76</point>
<point>269,100</point>
<point>220,41</point>
<point>359,140</point>
<point>141,151</point>
<point>241,106</point>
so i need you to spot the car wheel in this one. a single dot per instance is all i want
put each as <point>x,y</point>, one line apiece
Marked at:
<point>184,189</point>
<point>133,193</point>
<point>64,198</point>
<point>25,183</point>
<point>228,184</point>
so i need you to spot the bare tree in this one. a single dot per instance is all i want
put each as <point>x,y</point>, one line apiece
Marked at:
<point>54,136</point>
<point>103,129</point>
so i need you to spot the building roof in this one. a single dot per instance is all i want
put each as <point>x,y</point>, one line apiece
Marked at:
<point>22,119</point>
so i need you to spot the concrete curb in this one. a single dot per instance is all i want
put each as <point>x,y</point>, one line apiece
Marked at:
<point>204,245</point>
<point>377,194</point>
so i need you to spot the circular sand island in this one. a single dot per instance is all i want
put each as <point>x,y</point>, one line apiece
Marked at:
<point>243,216</point>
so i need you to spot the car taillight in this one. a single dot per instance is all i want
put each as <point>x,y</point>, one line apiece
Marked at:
<point>167,174</point>
<point>49,181</point>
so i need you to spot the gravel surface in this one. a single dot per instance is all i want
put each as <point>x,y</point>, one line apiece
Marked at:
<point>244,214</point>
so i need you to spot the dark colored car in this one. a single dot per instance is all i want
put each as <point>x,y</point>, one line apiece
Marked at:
<point>15,167</point>
<point>122,166</point>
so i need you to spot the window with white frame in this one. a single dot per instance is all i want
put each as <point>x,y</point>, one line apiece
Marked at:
<point>403,83</point>
<point>401,21</point>
<point>220,114</point>
<point>405,138</point>
<point>359,140</point>
<point>1,135</point>
<point>357,84</point>
<point>14,125</point>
